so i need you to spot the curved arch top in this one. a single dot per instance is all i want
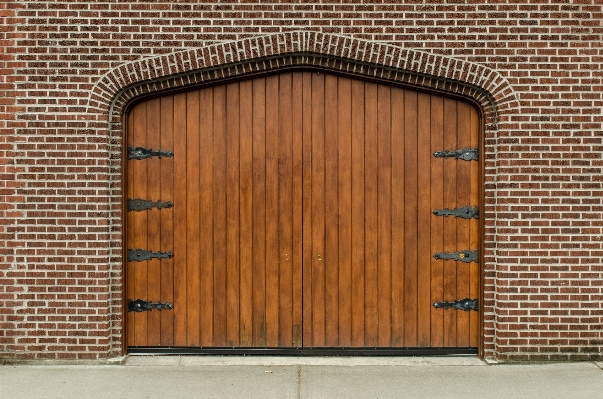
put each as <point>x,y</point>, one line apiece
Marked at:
<point>339,53</point>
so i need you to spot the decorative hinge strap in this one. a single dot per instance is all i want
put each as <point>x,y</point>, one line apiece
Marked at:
<point>461,304</point>
<point>138,204</point>
<point>466,154</point>
<point>140,306</point>
<point>142,153</point>
<point>139,255</point>
<point>465,212</point>
<point>464,256</point>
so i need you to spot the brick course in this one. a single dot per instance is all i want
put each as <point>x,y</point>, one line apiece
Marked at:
<point>69,66</point>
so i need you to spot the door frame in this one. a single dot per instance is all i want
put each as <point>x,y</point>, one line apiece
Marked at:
<point>308,351</point>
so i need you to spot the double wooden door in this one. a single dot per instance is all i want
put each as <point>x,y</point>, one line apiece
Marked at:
<point>302,216</point>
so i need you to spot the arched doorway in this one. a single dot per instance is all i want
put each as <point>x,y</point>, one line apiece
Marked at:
<point>303,218</point>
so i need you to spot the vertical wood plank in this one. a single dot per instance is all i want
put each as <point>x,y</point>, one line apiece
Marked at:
<point>297,232</point>
<point>398,222</point>
<point>219,216</point>
<point>259,211</point>
<point>437,222</point>
<point>410,218</point>
<point>450,184</point>
<point>344,134</point>
<point>474,229</point>
<point>424,214</point>
<point>140,222</point>
<point>180,236</point>
<point>285,205</point>
<point>206,212</point>
<point>307,210</point>
<point>331,251</point>
<point>272,207</point>
<point>153,221</point>
<point>462,225</point>
<point>318,210</point>
<point>384,204</point>
<point>246,209</point>
<point>130,235</point>
<point>192,217</point>
<point>232,213</point>
<point>371,226</point>
<point>358,215</point>
<point>167,217</point>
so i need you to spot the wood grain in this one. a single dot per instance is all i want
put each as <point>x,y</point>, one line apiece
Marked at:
<point>246,214</point>
<point>180,247</point>
<point>398,222</point>
<point>411,185</point>
<point>191,199</point>
<point>206,212</point>
<point>140,223</point>
<point>303,215</point>
<point>450,244</point>
<point>259,212</point>
<point>357,214</point>
<point>436,222</point>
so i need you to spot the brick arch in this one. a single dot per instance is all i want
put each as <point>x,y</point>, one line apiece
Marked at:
<point>339,53</point>
<point>129,81</point>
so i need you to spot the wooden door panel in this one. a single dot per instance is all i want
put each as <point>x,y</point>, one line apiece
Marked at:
<point>206,218</point>
<point>398,102</point>
<point>449,184</point>
<point>370,229</point>
<point>424,215</point>
<point>246,213</point>
<point>166,221</point>
<point>303,215</point>
<point>409,223</point>
<point>178,212</point>
<point>236,270</point>
<point>436,200</point>
<point>344,211</point>
<point>463,192</point>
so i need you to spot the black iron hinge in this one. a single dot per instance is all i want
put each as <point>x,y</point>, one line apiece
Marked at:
<point>138,204</point>
<point>461,304</point>
<point>466,154</point>
<point>143,153</point>
<point>465,212</point>
<point>139,255</point>
<point>139,305</point>
<point>464,256</point>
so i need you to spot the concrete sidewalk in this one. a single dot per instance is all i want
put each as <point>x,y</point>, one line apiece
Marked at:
<point>289,377</point>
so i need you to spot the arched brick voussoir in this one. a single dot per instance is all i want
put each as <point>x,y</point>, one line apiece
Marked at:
<point>262,53</point>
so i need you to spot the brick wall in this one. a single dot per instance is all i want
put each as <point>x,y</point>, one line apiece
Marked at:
<point>60,248</point>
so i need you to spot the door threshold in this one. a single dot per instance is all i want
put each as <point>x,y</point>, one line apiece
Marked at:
<point>313,351</point>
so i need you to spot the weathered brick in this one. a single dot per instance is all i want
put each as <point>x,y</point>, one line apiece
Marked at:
<point>60,170</point>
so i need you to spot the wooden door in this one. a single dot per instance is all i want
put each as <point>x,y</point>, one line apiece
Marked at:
<point>235,227</point>
<point>371,184</point>
<point>302,216</point>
